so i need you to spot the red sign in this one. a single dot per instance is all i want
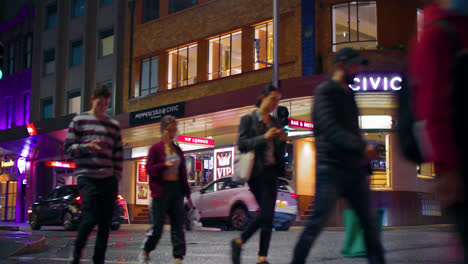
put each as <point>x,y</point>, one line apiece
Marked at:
<point>198,164</point>
<point>300,123</point>
<point>196,140</point>
<point>32,131</point>
<point>142,175</point>
<point>60,164</point>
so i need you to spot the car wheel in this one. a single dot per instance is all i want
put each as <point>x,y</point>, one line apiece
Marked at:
<point>115,226</point>
<point>238,218</point>
<point>68,222</point>
<point>34,222</point>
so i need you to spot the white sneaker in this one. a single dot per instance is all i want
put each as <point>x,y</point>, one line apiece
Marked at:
<point>143,258</point>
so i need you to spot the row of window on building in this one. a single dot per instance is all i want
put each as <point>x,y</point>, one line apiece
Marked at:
<point>18,55</point>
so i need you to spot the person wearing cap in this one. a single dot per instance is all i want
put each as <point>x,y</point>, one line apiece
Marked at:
<point>262,132</point>
<point>340,152</point>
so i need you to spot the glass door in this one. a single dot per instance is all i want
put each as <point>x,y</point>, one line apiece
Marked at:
<point>8,191</point>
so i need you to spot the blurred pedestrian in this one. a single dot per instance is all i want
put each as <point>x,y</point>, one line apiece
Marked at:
<point>168,184</point>
<point>261,132</point>
<point>437,68</point>
<point>340,150</point>
<point>94,140</point>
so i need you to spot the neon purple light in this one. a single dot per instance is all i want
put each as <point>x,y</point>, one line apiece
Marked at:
<point>377,82</point>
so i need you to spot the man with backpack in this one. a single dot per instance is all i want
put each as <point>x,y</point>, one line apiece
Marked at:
<point>437,70</point>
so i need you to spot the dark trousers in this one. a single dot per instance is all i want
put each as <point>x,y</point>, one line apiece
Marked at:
<point>332,181</point>
<point>458,212</point>
<point>98,197</point>
<point>265,190</point>
<point>170,202</point>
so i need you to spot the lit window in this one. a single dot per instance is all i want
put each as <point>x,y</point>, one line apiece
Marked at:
<point>106,42</point>
<point>355,25</point>
<point>182,69</point>
<point>264,33</point>
<point>380,177</point>
<point>74,102</point>
<point>78,8</point>
<point>51,16</point>
<point>426,170</point>
<point>149,76</point>
<point>225,56</point>
<point>49,61</point>
<point>76,53</point>
<point>9,112</point>
<point>27,101</point>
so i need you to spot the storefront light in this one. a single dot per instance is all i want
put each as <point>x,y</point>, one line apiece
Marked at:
<point>375,121</point>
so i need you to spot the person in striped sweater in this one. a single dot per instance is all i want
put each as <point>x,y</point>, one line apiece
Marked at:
<point>94,140</point>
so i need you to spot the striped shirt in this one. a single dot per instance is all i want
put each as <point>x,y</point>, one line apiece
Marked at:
<point>105,163</point>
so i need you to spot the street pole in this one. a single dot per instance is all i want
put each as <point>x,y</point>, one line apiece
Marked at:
<point>275,43</point>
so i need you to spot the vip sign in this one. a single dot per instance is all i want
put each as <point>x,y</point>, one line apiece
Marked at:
<point>224,162</point>
<point>377,82</point>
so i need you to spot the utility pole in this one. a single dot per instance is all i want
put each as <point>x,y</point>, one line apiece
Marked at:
<point>275,43</point>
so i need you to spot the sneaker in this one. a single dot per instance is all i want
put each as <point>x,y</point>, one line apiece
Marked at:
<point>178,261</point>
<point>235,252</point>
<point>143,258</point>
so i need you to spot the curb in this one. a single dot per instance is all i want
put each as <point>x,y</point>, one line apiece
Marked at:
<point>34,247</point>
<point>385,228</point>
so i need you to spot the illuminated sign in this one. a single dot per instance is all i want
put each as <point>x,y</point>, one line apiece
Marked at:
<point>32,131</point>
<point>21,164</point>
<point>196,140</point>
<point>300,123</point>
<point>375,121</point>
<point>377,82</point>
<point>155,114</point>
<point>224,162</point>
<point>1,74</point>
<point>60,164</point>
<point>9,163</point>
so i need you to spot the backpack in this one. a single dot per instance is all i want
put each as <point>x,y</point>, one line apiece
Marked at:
<point>413,140</point>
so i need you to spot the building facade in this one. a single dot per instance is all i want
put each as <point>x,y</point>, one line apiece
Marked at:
<point>16,36</point>
<point>205,63</point>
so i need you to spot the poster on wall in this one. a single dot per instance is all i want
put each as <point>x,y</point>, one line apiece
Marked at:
<point>224,162</point>
<point>142,188</point>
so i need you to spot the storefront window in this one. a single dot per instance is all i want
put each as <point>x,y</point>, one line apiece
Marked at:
<point>199,174</point>
<point>426,170</point>
<point>225,55</point>
<point>380,166</point>
<point>182,68</point>
<point>8,191</point>
<point>355,25</point>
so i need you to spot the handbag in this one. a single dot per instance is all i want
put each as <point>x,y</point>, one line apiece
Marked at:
<point>243,166</point>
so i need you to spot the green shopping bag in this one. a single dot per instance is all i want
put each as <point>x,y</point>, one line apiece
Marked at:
<point>354,245</point>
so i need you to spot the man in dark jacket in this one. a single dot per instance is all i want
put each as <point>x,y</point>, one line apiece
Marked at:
<point>340,150</point>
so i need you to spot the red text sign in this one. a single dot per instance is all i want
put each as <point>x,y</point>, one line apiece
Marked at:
<point>196,140</point>
<point>300,123</point>
<point>142,175</point>
<point>60,164</point>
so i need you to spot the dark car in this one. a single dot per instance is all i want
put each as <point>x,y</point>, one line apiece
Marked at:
<point>62,206</point>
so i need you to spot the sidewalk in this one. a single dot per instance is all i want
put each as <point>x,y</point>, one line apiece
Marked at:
<point>15,240</point>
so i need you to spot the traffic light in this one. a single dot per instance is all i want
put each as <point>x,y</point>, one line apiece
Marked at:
<point>283,116</point>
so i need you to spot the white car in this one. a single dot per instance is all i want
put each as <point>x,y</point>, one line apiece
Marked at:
<point>225,202</point>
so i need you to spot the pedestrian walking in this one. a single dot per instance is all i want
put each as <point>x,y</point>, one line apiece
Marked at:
<point>340,150</point>
<point>168,184</point>
<point>262,132</point>
<point>438,68</point>
<point>94,140</point>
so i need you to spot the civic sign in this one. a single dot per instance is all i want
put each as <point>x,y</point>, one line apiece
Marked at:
<point>196,140</point>
<point>377,82</point>
<point>60,164</point>
<point>155,114</point>
<point>300,123</point>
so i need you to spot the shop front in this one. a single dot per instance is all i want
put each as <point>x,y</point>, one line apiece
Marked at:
<point>13,182</point>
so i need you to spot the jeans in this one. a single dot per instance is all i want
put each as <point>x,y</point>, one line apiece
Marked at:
<point>331,182</point>
<point>170,202</point>
<point>264,189</point>
<point>98,197</point>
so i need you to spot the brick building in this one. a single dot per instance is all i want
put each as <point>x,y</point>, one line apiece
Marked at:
<point>200,57</point>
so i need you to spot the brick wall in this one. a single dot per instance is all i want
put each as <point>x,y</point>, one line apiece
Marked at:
<point>197,25</point>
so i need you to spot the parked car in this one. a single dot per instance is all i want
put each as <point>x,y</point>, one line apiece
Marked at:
<point>226,202</point>
<point>62,207</point>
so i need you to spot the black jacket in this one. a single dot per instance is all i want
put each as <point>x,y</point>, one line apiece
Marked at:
<point>336,126</point>
<point>250,138</point>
